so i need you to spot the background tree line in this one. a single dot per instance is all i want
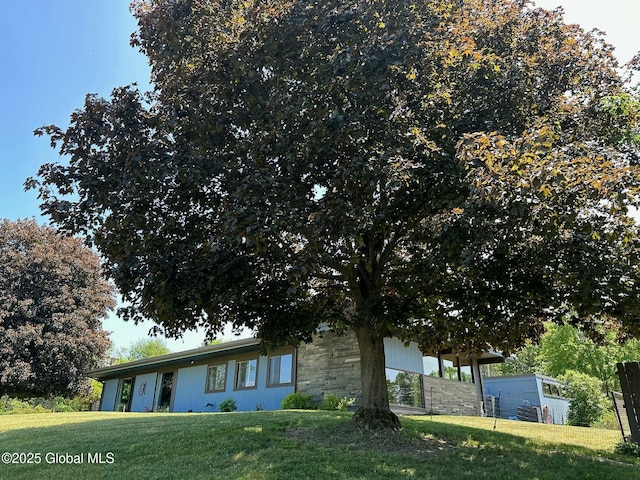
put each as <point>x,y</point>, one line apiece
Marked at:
<point>586,366</point>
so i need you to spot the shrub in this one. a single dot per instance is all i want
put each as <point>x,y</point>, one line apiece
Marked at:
<point>587,403</point>
<point>608,421</point>
<point>628,448</point>
<point>62,405</point>
<point>11,405</point>
<point>14,406</point>
<point>297,401</point>
<point>334,403</point>
<point>228,405</point>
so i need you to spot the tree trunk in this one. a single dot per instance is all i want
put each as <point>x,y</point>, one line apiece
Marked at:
<point>374,413</point>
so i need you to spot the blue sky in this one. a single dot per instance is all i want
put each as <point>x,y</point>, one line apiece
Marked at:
<point>54,52</point>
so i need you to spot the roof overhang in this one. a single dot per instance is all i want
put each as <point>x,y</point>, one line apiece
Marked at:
<point>464,359</point>
<point>188,357</point>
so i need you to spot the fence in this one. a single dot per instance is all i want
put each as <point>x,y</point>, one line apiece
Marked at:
<point>513,417</point>
<point>629,374</point>
<point>621,415</point>
<point>448,397</point>
<point>506,408</point>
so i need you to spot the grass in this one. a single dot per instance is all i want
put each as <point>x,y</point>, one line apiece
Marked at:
<point>305,445</point>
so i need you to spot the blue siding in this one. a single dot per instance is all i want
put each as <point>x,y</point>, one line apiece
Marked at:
<point>143,393</point>
<point>109,392</point>
<point>190,391</point>
<point>189,394</point>
<point>516,391</point>
<point>513,393</point>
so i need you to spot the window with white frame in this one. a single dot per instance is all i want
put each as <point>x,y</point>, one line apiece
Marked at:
<point>280,370</point>
<point>216,378</point>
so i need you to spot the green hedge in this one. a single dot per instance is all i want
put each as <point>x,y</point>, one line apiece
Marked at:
<point>14,406</point>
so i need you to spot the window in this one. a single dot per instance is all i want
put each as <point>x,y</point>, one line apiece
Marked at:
<point>405,388</point>
<point>465,374</point>
<point>430,366</point>
<point>280,370</point>
<point>124,395</point>
<point>246,374</point>
<point>450,371</point>
<point>216,378</point>
<point>549,390</point>
<point>166,390</point>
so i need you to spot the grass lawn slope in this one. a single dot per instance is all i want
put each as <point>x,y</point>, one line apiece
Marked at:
<point>299,445</point>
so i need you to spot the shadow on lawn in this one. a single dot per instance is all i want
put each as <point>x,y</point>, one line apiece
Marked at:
<point>285,445</point>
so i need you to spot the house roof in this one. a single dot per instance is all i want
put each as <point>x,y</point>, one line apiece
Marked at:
<point>465,358</point>
<point>510,378</point>
<point>172,359</point>
<point>203,354</point>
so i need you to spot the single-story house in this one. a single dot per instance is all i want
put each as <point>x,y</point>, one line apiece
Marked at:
<point>199,380</point>
<point>529,397</point>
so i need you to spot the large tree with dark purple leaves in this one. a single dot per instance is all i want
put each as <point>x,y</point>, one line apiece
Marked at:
<point>53,297</point>
<point>454,172</point>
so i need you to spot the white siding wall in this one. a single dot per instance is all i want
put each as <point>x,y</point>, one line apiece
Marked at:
<point>399,357</point>
<point>558,407</point>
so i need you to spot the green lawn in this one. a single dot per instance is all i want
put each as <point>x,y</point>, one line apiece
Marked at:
<point>299,445</point>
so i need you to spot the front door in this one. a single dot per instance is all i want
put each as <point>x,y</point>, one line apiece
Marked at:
<point>124,396</point>
<point>166,391</point>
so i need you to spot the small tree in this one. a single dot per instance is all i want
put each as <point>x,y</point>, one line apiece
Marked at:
<point>525,360</point>
<point>142,348</point>
<point>587,400</point>
<point>52,300</point>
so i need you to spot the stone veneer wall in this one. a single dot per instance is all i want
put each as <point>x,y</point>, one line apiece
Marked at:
<point>450,397</point>
<point>330,364</point>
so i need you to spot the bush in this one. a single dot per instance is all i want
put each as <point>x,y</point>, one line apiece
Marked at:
<point>587,402</point>
<point>628,448</point>
<point>229,405</point>
<point>62,405</point>
<point>14,406</point>
<point>334,403</point>
<point>608,421</point>
<point>297,401</point>
<point>10,405</point>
